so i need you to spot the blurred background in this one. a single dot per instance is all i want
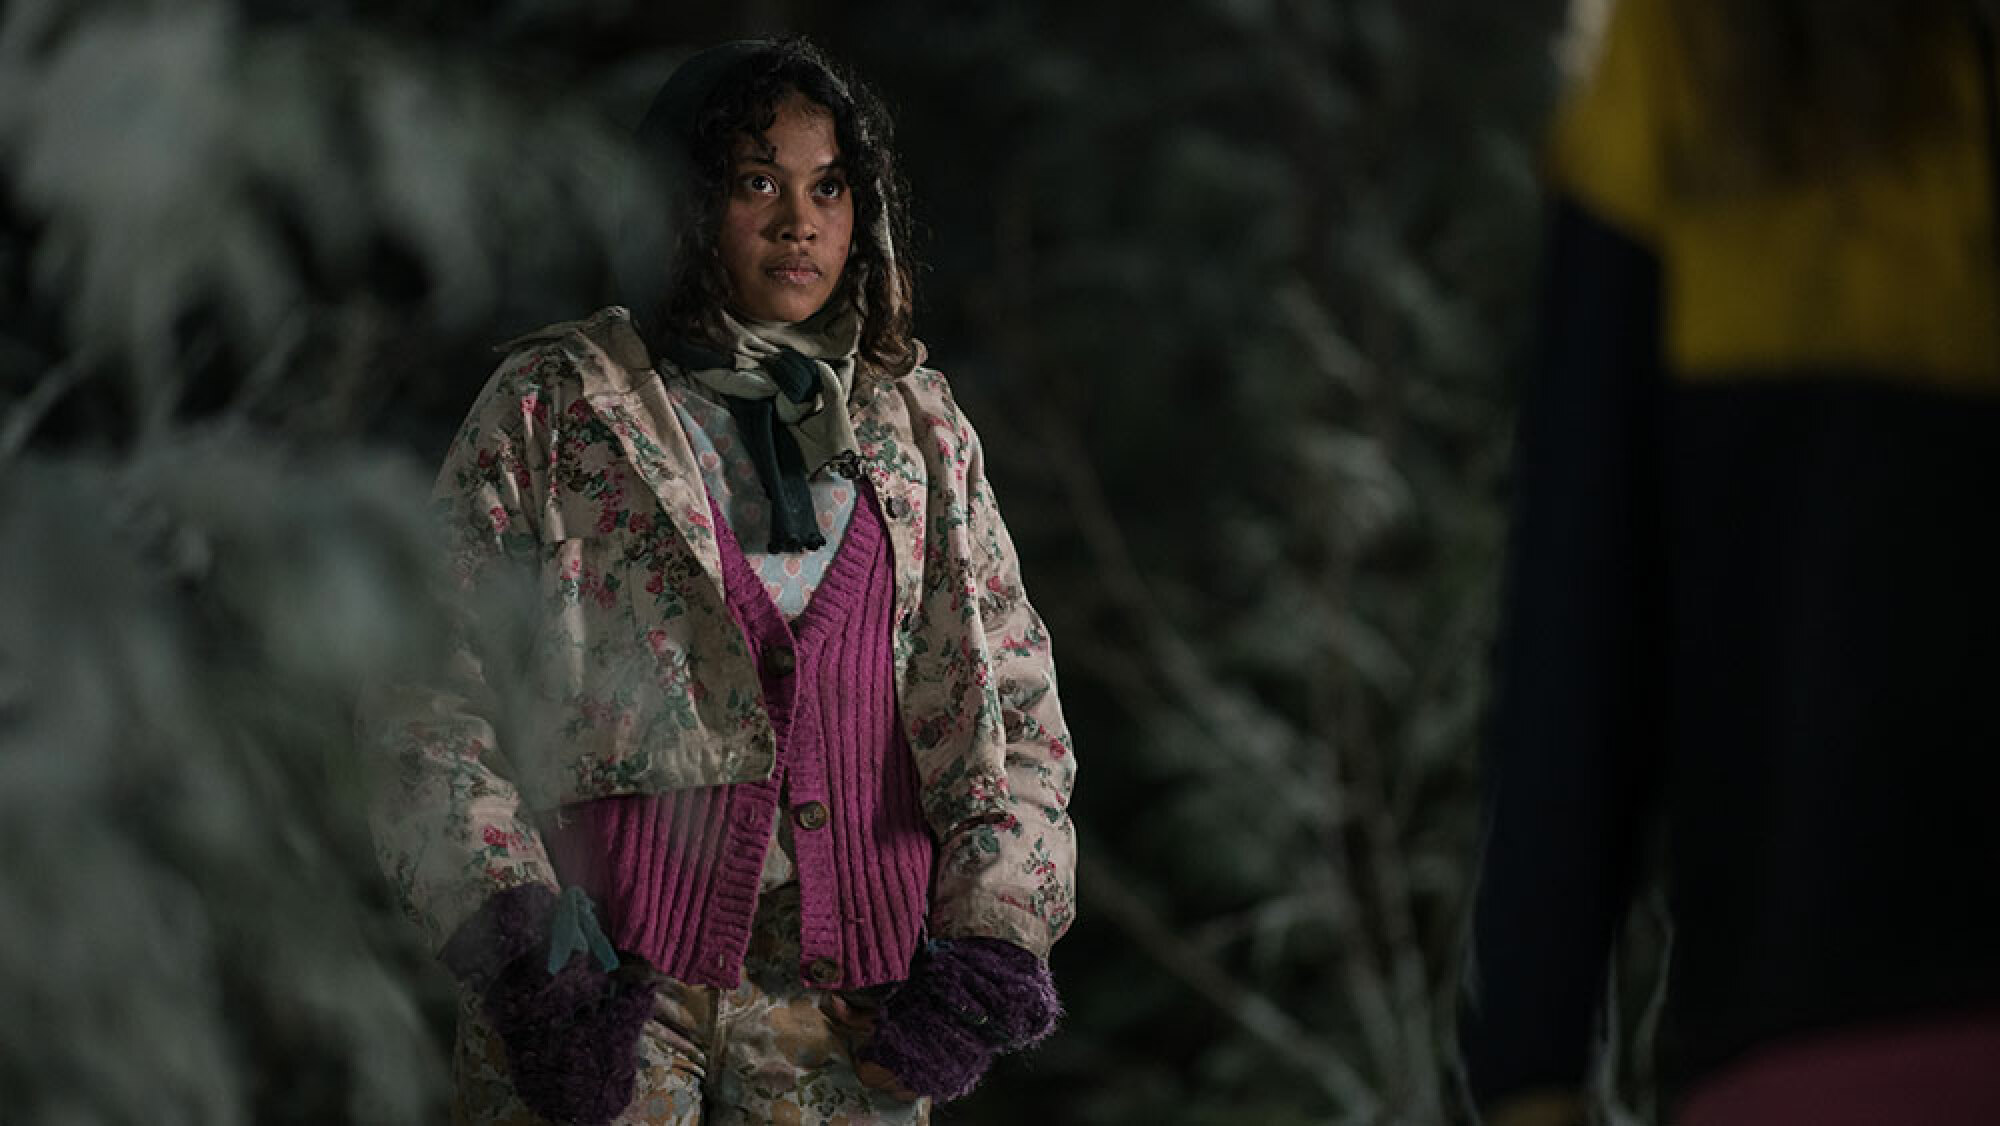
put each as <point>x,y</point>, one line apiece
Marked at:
<point>1236,291</point>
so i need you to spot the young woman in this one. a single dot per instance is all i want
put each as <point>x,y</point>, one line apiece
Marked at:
<point>782,715</point>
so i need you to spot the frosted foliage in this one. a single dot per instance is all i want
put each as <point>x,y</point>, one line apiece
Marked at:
<point>183,160</point>
<point>1373,494</point>
<point>1258,310</point>
<point>190,931</point>
<point>209,214</point>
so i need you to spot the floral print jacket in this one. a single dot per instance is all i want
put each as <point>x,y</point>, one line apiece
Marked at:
<point>572,489</point>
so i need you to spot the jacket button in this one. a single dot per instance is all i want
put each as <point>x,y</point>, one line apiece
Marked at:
<point>823,971</point>
<point>809,815</point>
<point>779,661</point>
<point>896,507</point>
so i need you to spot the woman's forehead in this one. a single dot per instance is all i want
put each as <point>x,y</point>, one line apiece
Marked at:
<point>801,134</point>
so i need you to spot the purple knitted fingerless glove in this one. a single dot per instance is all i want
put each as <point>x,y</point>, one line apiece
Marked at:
<point>571,1036</point>
<point>967,1001</point>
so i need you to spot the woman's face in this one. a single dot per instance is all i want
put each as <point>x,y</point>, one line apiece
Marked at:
<point>789,219</point>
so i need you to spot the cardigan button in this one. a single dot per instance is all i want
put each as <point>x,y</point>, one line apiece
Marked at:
<point>823,971</point>
<point>896,507</point>
<point>779,660</point>
<point>810,815</point>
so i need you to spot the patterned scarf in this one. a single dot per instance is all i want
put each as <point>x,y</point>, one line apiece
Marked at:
<point>786,385</point>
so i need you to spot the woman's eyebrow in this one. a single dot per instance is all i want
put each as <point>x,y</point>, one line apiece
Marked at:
<point>835,165</point>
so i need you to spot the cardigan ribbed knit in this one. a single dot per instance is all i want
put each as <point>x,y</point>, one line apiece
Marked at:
<point>678,873</point>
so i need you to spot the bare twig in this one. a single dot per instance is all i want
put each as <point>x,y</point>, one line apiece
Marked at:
<point>1257,1014</point>
<point>28,413</point>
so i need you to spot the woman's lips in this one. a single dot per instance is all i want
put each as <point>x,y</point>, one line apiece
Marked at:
<point>794,273</point>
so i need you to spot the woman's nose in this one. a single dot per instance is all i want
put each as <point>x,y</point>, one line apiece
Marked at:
<point>794,219</point>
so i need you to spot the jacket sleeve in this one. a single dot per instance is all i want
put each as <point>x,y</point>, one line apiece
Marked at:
<point>1010,876</point>
<point>1573,748</point>
<point>449,825</point>
<point>1573,752</point>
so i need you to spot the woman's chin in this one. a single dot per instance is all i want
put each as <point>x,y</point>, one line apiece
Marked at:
<point>791,310</point>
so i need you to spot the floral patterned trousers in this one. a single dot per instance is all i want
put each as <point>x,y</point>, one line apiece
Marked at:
<point>767,1051</point>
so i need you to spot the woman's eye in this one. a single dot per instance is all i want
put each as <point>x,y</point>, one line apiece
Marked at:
<point>758,182</point>
<point>830,189</point>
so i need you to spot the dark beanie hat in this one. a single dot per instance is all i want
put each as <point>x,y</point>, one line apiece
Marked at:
<point>669,124</point>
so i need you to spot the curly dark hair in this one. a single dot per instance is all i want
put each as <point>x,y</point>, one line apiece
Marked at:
<point>744,103</point>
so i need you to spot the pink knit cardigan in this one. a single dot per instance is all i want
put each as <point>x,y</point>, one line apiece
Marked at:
<point>677,874</point>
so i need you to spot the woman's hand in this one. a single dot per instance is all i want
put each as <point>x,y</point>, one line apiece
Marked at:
<point>572,1037</point>
<point>965,1002</point>
<point>571,1031</point>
